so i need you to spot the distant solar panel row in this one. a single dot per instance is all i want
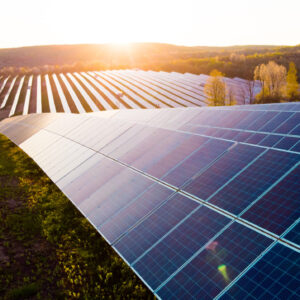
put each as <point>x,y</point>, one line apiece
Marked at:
<point>106,90</point>
<point>194,214</point>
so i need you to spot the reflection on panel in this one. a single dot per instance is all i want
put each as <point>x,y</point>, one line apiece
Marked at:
<point>274,276</point>
<point>216,265</point>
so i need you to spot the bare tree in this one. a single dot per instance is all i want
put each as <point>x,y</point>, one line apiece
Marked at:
<point>231,95</point>
<point>250,86</point>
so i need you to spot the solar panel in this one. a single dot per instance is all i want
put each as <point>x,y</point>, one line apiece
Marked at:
<point>219,262</point>
<point>155,227</point>
<point>280,207</point>
<point>242,190</point>
<point>193,199</point>
<point>294,234</point>
<point>196,162</point>
<point>164,258</point>
<point>274,276</point>
<point>232,162</point>
<point>134,211</point>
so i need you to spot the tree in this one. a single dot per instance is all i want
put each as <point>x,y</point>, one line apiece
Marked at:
<point>273,81</point>
<point>215,89</point>
<point>231,96</point>
<point>292,83</point>
<point>251,86</point>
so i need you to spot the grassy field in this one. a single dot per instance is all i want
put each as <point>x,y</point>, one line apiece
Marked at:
<point>48,250</point>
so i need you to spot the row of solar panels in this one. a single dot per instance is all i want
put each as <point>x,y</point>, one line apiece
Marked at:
<point>195,214</point>
<point>94,91</point>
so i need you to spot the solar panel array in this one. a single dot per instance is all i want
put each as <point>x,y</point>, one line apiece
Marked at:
<point>201,203</point>
<point>106,90</point>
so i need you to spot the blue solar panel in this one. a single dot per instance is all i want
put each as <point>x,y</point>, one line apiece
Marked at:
<point>275,122</point>
<point>90,180</point>
<point>230,134</point>
<point>154,154</point>
<point>274,276</point>
<point>168,255</point>
<point>247,119</point>
<point>289,124</point>
<point>181,247</point>
<point>224,258</point>
<point>174,157</point>
<point>252,182</point>
<point>134,211</point>
<point>286,143</point>
<point>145,144</point>
<point>296,147</point>
<point>296,130</point>
<point>196,162</point>
<point>294,235</point>
<point>242,136</point>
<point>261,120</point>
<point>144,235</point>
<point>280,207</point>
<point>256,138</point>
<point>114,195</point>
<point>222,170</point>
<point>270,140</point>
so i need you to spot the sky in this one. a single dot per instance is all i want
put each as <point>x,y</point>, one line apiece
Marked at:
<point>184,22</point>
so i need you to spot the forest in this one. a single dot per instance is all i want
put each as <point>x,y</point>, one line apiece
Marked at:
<point>235,61</point>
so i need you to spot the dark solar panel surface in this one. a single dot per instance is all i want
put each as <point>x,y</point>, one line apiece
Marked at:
<point>191,201</point>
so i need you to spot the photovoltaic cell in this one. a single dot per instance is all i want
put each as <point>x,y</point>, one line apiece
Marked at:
<point>296,147</point>
<point>289,124</point>
<point>261,120</point>
<point>217,265</point>
<point>286,143</point>
<point>196,162</point>
<point>256,138</point>
<point>275,122</point>
<point>253,181</point>
<point>294,235</point>
<point>138,208</point>
<point>159,223</point>
<point>274,276</point>
<point>91,179</point>
<point>249,118</point>
<point>295,131</point>
<point>168,255</point>
<point>114,195</point>
<point>280,207</point>
<point>147,143</point>
<point>154,154</point>
<point>270,140</point>
<point>174,157</point>
<point>222,170</point>
<point>242,136</point>
<point>230,134</point>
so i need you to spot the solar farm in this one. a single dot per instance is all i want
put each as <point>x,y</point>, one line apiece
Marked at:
<point>106,90</point>
<point>201,202</point>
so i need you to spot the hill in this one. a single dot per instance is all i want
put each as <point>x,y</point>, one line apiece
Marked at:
<point>233,61</point>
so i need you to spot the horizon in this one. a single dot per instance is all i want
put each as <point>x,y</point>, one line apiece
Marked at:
<point>192,23</point>
<point>160,43</point>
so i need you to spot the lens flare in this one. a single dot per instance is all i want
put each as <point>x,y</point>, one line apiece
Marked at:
<point>223,270</point>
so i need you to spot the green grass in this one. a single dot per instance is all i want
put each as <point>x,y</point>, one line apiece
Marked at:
<point>48,250</point>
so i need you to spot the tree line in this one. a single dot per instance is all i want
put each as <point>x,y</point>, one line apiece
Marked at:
<point>239,61</point>
<point>276,83</point>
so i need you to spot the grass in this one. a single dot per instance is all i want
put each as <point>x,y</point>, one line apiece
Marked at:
<point>48,250</point>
